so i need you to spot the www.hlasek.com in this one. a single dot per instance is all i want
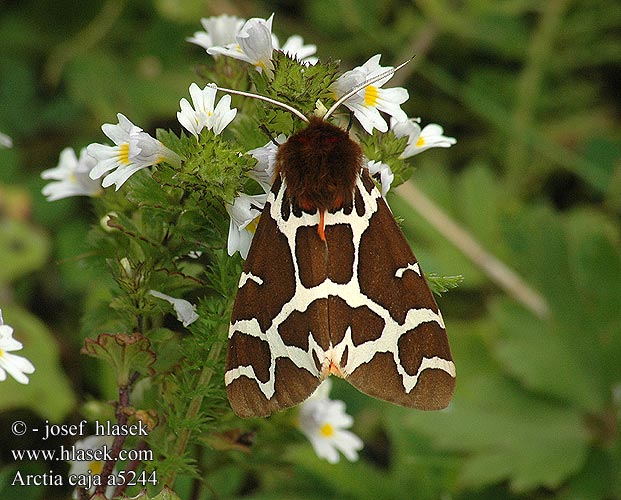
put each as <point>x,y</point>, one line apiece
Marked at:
<point>100,452</point>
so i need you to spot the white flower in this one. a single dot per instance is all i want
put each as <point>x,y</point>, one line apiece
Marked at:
<point>133,151</point>
<point>385,173</point>
<point>294,47</point>
<point>91,443</point>
<point>71,176</point>
<point>126,267</point>
<point>203,114</point>
<point>244,213</point>
<point>367,103</point>
<point>186,311</point>
<point>5,141</point>
<point>323,421</point>
<point>263,171</point>
<point>219,30</point>
<point>16,366</point>
<point>431,136</point>
<point>95,447</point>
<point>253,44</point>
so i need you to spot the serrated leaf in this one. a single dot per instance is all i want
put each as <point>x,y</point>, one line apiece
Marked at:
<point>386,147</point>
<point>595,259</point>
<point>531,443</point>
<point>442,284</point>
<point>301,85</point>
<point>573,262</point>
<point>126,353</point>
<point>598,479</point>
<point>536,353</point>
<point>144,189</point>
<point>505,432</point>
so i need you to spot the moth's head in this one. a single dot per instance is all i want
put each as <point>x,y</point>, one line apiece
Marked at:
<point>319,143</point>
<point>319,136</point>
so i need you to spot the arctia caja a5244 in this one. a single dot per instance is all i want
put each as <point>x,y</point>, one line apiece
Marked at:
<point>331,286</point>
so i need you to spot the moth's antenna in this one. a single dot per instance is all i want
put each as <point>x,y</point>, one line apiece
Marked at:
<point>269,134</point>
<point>296,112</point>
<point>351,121</point>
<point>362,85</point>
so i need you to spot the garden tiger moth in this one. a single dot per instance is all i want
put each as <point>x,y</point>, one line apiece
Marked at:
<point>331,286</point>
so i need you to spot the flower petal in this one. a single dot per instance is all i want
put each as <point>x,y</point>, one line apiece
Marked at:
<point>255,40</point>
<point>119,133</point>
<point>186,311</point>
<point>16,366</point>
<point>223,114</point>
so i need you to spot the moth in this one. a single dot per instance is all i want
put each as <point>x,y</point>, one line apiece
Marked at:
<point>330,286</point>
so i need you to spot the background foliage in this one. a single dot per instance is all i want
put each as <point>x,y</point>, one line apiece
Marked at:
<point>531,91</point>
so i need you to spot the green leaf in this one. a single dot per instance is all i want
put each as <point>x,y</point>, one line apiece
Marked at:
<point>538,244</point>
<point>575,262</point>
<point>599,478</point>
<point>442,284</point>
<point>536,353</point>
<point>524,440</point>
<point>297,84</point>
<point>126,353</point>
<point>504,432</point>
<point>387,148</point>
<point>23,248</point>
<point>480,203</point>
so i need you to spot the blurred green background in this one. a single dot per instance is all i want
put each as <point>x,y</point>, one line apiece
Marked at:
<point>531,91</point>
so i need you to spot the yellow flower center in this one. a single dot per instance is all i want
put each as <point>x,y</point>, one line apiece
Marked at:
<point>124,154</point>
<point>326,430</point>
<point>421,142</point>
<point>1,353</point>
<point>252,225</point>
<point>96,466</point>
<point>371,94</point>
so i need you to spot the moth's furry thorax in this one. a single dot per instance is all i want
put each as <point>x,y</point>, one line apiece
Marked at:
<point>320,164</point>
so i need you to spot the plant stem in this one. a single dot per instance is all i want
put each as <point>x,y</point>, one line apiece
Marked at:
<point>194,407</point>
<point>117,444</point>
<point>130,467</point>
